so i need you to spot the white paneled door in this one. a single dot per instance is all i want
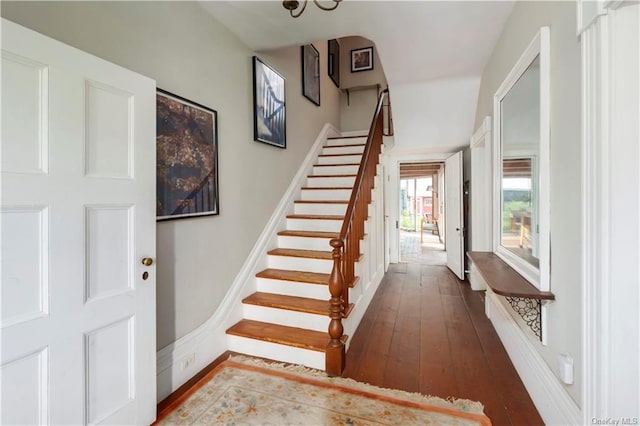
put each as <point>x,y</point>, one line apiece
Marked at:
<point>454,232</point>
<point>77,218</point>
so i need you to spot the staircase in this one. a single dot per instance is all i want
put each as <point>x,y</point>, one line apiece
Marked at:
<point>288,316</point>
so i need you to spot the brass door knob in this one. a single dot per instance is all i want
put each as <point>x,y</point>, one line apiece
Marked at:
<point>147,261</point>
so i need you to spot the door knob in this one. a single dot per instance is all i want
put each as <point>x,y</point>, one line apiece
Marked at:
<point>147,261</point>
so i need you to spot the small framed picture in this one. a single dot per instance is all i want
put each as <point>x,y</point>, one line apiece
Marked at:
<point>362,59</point>
<point>187,158</point>
<point>269,120</point>
<point>333,67</point>
<point>311,73</point>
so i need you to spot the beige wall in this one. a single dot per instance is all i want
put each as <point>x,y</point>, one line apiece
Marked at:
<point>356,112</point>
<point>192,55</point>
<point>564,315</point>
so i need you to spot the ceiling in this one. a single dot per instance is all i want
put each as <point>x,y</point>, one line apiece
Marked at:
<point>418,42</point>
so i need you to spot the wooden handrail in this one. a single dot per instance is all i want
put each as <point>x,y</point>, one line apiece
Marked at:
<point>346,248</point>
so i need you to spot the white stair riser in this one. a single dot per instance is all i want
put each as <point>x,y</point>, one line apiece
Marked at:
<point>314,225</point>
<point>277,352</point>
<point>336,170</point>
<point>329,150</point>
<point>304,243</point>
<point>285,317</point>
<point>337,181</point>
<point>325,194</point>
<point>300,264</point>
<point>312,291</point>
<point>340,159</point>
<point>319,208</point>
<point>346,141</point>
<point>290,288</point>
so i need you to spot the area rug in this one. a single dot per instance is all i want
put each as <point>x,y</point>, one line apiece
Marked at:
<point>248,391</point>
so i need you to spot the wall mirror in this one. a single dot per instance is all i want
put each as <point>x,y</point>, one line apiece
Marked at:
<point>521,164</point>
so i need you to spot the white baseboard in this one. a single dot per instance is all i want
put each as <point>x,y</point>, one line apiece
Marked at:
<point>209,341</point>
<point>549,396</point>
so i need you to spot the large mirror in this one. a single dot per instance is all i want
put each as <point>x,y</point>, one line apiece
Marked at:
<point>521,114</point>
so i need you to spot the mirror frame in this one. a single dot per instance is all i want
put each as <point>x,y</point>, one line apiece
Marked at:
<point>540,278</point>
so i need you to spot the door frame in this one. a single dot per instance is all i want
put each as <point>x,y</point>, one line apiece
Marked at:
<point>392,169</point>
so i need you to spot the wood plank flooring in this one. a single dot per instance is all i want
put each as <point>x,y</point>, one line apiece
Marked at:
<point>425,331</point>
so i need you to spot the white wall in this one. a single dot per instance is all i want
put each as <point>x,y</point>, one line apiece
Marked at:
<point>357,109</point>
<point>436,115</point>
<point>190,54</point>
<point>564,314</point>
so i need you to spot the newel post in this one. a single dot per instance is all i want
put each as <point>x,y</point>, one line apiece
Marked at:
<point>335,353</point>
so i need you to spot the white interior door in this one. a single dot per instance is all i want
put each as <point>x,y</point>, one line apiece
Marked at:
<point>77,217</point>
<point>454,233</point>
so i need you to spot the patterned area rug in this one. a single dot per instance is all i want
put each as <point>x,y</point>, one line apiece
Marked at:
<point>249,391</point>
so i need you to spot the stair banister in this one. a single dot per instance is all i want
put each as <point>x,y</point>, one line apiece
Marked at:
<point>346,248</point>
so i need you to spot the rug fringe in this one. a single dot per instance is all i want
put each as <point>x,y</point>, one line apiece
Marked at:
<point>465,405</point>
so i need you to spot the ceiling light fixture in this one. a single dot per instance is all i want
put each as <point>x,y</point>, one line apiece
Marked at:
<point>292,5</point>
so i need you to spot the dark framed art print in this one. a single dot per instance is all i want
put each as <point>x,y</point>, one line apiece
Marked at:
<point>186,158</point>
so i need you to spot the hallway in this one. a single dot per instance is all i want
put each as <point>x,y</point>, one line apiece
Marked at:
<point>429,251</point>
<point>425,331</point>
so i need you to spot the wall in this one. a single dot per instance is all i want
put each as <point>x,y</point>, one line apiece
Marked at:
<point>192,55</point>
<point>356,110</point>
<point>564,315</point>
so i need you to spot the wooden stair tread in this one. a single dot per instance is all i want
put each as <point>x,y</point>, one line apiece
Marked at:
<point>274,333</point>
<point>310,234</point>
<point>290,303</point>
<point>314,188</point>
<point>333,165</point>
<point>299,276</point>
<point>331,176</point>
<point>340,155</point>
<point>322,201</point>
<point>344,146</point>
<point>295,276</point>
<point>308,254</point>
<point>315,216</point>
<point>347,137</point>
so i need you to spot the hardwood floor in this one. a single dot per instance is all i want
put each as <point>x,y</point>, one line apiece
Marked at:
<point>425,331</point>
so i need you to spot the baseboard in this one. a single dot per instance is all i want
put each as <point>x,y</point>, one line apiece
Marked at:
<point>549,396</point>
<point>207,342</point>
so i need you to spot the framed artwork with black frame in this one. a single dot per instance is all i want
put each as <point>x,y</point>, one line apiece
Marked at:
<point>333,64</point>
<point>269,111</point>
<point>310,73</point>
<point>186,158</point>
<point>362,59</point>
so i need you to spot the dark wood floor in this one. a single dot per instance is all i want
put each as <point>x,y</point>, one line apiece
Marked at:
<point>425,331</point>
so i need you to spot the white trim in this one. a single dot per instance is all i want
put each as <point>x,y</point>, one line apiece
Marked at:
<point>209,341</point>
<point>481,189</point>
<point>554,404</point>
<point>539,46</point>
<point>391,163</point>
<point>611,201</point>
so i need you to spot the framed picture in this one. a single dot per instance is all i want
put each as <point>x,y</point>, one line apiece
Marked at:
<point>269,124</point>
<point>187,158</point>
<point>310,73</point>
<point>362,59</point>
<point>334,61</point>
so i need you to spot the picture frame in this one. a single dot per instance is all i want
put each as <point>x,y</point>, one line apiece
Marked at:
<point>310,73</point>
<point>186,158</point>
<point>362,59</point>
<point>333,62</point>
<point>269,107</point>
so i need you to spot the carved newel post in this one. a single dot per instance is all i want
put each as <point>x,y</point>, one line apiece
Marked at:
<point>335,354</point>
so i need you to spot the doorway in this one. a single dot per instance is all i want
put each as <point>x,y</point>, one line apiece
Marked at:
<point>421,213</point>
